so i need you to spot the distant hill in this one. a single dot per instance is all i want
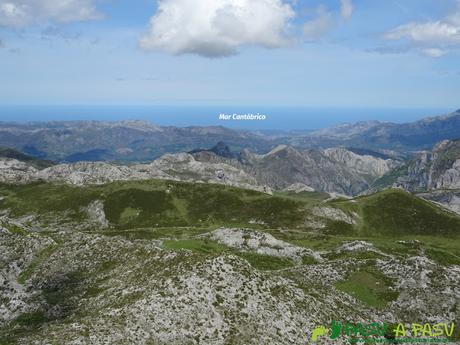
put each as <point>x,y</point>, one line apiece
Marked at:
<point>220,149</point>
<point>135,141</point>
<point>376,135</point>
<point>35,162</point>
<point>334,170</point>
<point>129,141</point>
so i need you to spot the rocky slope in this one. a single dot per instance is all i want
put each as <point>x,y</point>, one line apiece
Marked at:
<point>221,285</point>
<point>449,199</point>
<point>335,170</point>
<point>436,169</point>
<point>364,164</point>
<point>179,167</point>
<point>35,162</point>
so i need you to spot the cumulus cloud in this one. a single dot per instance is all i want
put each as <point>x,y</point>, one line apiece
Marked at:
<point>217,28</point>
<point>434,38</point>
<point>21,13</point>
<point>347,8</point>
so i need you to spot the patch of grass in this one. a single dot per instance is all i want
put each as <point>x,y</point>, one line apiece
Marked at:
<point>31,320</point>
<point>16,229</point>
<point>370,287</point>
<point>38,260</point>
<point>127,207</point>
<point>203,246</point>
<point>339,228</point>
<point>158,233</point>
<point>266,262</point>
<point>128,215</point>
<point>358,255</point>
<point>43,198</point>
<point>308,260</point>
<point>443,257</point>
<point>23,325</point>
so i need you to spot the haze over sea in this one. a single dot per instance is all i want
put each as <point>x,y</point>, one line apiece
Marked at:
<point>278,118</point>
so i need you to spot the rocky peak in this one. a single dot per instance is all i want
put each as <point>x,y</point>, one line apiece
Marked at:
<point>281,150</point>
<point>364,164</point>
<point>221,149</point>
<point>436,169</point>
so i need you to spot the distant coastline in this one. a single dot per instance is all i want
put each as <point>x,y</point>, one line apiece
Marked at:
<point>277,117</point>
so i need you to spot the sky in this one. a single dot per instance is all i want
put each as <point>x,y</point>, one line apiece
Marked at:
<point>297,53</point>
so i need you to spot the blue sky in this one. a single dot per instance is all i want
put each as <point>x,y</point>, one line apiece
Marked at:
<point>308,53</point>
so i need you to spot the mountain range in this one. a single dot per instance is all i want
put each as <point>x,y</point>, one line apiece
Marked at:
<point>403,138</point>
<point>138,141</point>
<point>334,170</point>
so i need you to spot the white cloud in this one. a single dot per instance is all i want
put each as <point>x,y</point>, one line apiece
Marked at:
<point>21,13</point>
<point>434,38</point>
<point>347,8</point>
<point>433,52</point>
<point>216,28</point>
<point>430,32</point>
<point>325,20</point>
<point>320,26</point>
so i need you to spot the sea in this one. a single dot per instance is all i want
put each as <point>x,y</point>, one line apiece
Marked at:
<point>283,118</point>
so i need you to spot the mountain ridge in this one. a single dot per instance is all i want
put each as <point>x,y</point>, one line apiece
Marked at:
<point>333,170</point>
<point>138,141</point>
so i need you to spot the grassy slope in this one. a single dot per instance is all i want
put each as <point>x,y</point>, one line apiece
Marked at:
<point>133,206</point>
<point>397,213</point>
<point>155,204</point>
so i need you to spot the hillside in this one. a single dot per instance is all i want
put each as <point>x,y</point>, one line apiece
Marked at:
<point>35,162</point>
<point>224,265</point>
<point>141,204</point>
<point>396,213</point>
<point>334,170</point>
<point>403,138</point>
<point>436,169</point>
<point>126,141</point>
